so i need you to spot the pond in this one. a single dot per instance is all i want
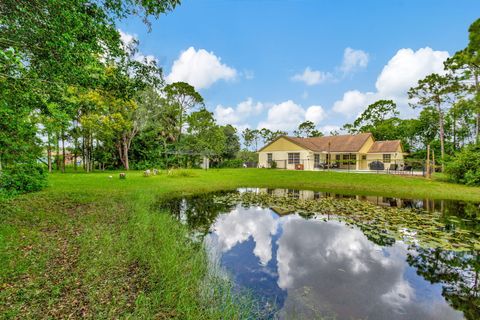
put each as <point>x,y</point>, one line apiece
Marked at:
<point>300,261</point>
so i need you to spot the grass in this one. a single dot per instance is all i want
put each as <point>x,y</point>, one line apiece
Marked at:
<point>95,247</point>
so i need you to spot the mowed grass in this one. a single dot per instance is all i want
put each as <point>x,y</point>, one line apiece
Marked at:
<point>91,246</point>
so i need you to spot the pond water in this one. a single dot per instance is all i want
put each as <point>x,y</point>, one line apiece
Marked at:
<point>319,267</point>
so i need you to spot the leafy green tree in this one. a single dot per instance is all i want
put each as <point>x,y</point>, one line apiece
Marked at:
<point>251,137</point>
<point>466,63</point>
<point>307,129</point>
<point>184,98</point>
<point>204,136</point>
<point>232,142</point>
<point>375,114</point>
<point>434,91</point>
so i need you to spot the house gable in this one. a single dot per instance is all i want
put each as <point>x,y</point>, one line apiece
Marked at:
<point>367,145</point>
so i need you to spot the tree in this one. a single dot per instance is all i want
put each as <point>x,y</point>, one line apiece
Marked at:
<point>467,63</point>
<point>373,116</point>
<point>307,129</point>
<point>232,142</point>
<point>204,136</point>
<point>434,90</point>
<point>184,98</point>
<point>250,138</point>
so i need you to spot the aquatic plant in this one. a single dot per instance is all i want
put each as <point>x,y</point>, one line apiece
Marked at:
<point>382,225</point>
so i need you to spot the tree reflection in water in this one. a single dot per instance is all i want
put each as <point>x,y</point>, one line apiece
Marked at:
<point>458,272</point>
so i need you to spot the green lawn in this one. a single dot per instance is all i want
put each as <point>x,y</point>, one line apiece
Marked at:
<point>94,246</point>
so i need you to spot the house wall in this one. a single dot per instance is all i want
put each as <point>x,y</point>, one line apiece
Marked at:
<point>281,158</point>
<point>396,158</point>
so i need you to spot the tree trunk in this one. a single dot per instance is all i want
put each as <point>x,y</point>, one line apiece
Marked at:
<point>442,135</point>
<point>49,153</point>
<point>125,154</point>
<point>92,161</point>
<point>477,87</point>
<point>64,160</point>
<point>57,152</point>
<point>454,131</point>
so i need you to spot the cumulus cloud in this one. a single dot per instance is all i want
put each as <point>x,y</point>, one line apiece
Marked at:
<point>312,77</point>
<point>316,114</point>
<point>200,69</point>
<point>241,224</point>
<point>407,67</point>
<point>353,60</point>
<point>239,115</point>
<point>353,102</point>
<point>288,115</point>
<point>402,72</point>
<point>328,129</point>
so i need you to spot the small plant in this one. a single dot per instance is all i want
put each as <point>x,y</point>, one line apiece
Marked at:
<point>273,165</point>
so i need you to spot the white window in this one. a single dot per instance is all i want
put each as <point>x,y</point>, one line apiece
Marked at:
<point>294,158</point>
<point>269,158</point>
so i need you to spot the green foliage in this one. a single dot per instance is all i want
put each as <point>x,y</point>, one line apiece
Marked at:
<point>376,222</point>
<point>231,163</point>
<point>232,142</point>
<point>465,166</point>
<point>22,178</point>
<point>307,129</point>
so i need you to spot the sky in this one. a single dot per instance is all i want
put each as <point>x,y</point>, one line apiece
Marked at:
<point>277,63</point>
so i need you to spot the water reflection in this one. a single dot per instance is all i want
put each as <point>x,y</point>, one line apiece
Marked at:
<point>450,207</point>
<point>308,268</point>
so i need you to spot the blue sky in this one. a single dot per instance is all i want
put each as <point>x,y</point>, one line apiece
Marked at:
<point>267,63</point>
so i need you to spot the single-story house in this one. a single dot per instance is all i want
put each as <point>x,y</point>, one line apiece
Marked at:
<point>354,152</point>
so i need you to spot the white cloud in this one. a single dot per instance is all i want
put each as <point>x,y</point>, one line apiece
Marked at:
<point>241,224</point>
<point>354,59</point>
<point>407,67</point>
<point>288,115</point>
<point>353,102</point>
<point>283,116</point>
<point>401,73</point>
<point>328,129</point>
<point>238,116</point>
<point>315,114</point>
<point>200,69</point>
<point>312,77</point>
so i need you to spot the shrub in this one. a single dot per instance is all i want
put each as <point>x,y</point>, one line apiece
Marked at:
<point>464,167</point>
<point>231,163</point>
<point>22,178</point>
<point>273,165</point>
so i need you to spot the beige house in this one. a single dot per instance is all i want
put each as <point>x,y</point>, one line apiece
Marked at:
<point>353,152</point>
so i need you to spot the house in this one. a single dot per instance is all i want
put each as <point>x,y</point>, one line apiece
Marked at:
<point>353,152</point>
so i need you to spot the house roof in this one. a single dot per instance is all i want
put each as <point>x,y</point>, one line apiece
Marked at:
<point>344,143</point>
<point>385,146</point>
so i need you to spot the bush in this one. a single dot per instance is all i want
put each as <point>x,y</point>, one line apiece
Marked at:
<point>22,178</point>
<point>231,163</point>
<point>464,167</point>
<point>273,165</point>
